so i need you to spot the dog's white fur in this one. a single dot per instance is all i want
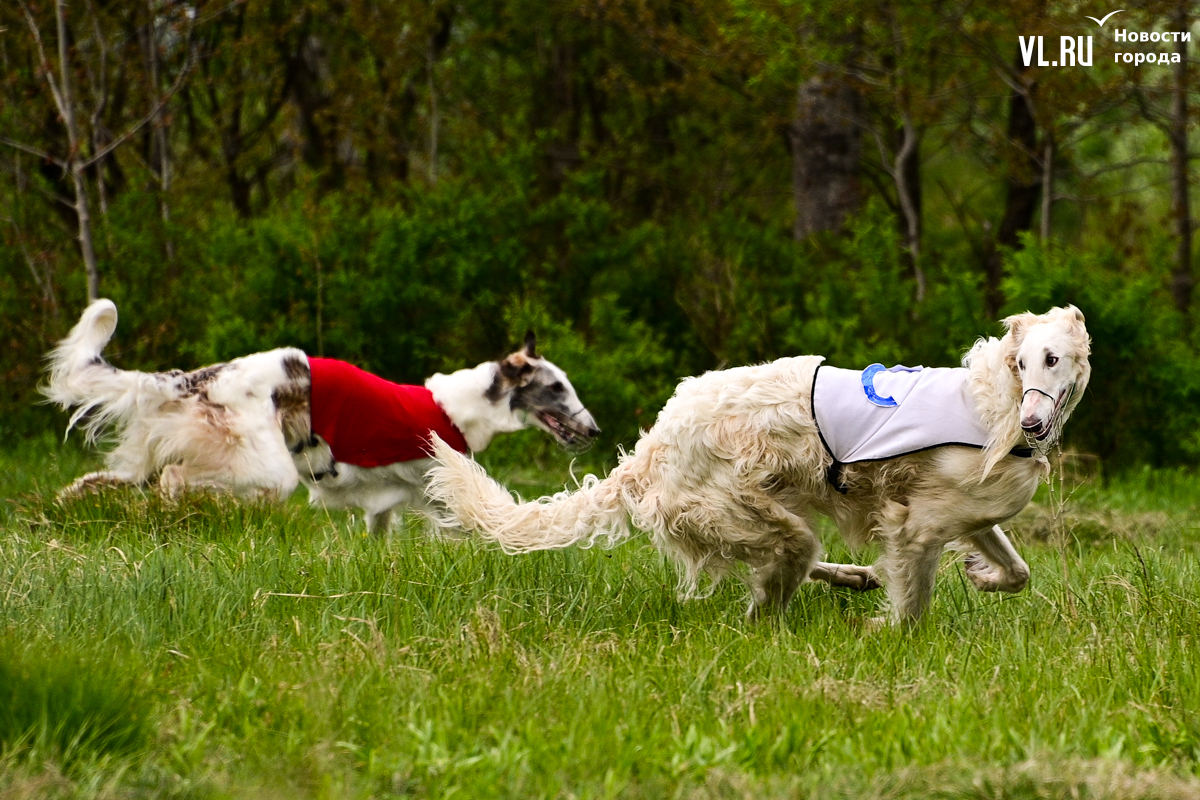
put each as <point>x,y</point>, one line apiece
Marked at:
<point>229,427</point>
<point>734,471</point>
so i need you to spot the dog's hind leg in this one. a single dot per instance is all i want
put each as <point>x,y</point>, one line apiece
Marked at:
<point>851,576</point>
<point>175,480</point>
<point>773,584</point>
<point>378,522</point>
<point>996,567</point>
<point>781,570</point>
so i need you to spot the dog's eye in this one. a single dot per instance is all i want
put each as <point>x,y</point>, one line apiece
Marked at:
<point>1021,366</point>
<point>557,386</point>
<point>1051,361</point>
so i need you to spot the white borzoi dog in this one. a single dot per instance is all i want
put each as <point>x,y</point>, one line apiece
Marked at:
<point>260,424</point>
<point>735,469</point>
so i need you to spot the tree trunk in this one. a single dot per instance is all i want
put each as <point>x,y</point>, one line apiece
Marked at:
<point>908,194</point>
<point>1022,183</point>
<point>239,191</point>
<point>826,149</point>
<point>83,213</point>
<point>433,118</point>
<point>161,141</point>
<point>1047,184</point>
<point>1182,280</point>
<point>438,42</point>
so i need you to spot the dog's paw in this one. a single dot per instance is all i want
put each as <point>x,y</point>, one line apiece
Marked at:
<point>75,490</point>
<point>868,581</point>
<point>987,578</point>
<point>172,482</point>
<point>862,579</point>
<point>982,575</point>
<point>847,576</point>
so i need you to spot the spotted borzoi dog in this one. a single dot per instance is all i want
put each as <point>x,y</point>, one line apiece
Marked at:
<point>736,467</point>
<point>257,425</point>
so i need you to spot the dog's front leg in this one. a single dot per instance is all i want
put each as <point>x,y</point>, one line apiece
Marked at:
<point>94,481</point>
<point>912,543</point>
<point>996,566</point>
<point>909,571</point>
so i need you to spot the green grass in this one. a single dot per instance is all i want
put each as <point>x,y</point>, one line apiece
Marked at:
<point>68,708</point>
<point>208,648</point>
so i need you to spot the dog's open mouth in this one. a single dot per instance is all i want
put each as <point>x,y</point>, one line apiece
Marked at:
<point>566,429</point>
<point>1045,429</point>
<point>1041,430</point>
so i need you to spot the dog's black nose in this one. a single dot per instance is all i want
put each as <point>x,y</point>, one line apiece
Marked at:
<point>593,431</point>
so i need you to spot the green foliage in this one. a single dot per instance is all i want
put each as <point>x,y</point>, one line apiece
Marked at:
<point>442,280</point>
<point>439,282</point>
<point>1143,401</point>
<point>857,295</point>
<point>407,184</point>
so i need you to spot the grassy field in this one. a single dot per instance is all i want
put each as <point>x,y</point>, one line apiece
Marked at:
<point>206,648</point>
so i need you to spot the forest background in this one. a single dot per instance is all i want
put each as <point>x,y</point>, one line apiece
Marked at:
<point>658,187</point>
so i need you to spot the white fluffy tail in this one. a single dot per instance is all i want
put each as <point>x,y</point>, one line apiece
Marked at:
<point>79,377</point>
<point>596,511</point>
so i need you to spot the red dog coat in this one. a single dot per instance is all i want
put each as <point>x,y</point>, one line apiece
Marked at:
<point>370,422</point>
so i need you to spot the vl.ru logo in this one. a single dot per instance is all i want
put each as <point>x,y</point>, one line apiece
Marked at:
<point>1067,51</point>
<point>1071,50</point>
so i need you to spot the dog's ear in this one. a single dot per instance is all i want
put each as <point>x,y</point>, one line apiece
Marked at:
<point>1075,319</point>
<point>531,343</point>
<point>1075,316</point>
<point>1018,325</point>
<point>511,373</point>
<point>515,368</point>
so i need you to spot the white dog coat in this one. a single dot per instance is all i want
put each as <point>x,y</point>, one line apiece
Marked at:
<point>877,414</point>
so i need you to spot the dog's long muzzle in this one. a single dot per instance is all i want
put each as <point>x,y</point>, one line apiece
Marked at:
<point>1047,431</point>
<point>570,430</point>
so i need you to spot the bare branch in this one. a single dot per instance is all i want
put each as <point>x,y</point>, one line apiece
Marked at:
<point>141,123</point>
<point>1091,198</point>
<point>43,62</point>
<point>33,151</point>
<point>1123,165</point>
<point>99,94</point>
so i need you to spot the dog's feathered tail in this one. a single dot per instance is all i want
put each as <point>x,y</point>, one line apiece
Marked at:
<point>81,379</point>
<point>597,512</point>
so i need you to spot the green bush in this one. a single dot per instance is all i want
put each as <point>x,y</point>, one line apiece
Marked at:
<point>441,278</point>
<point>1143,402</point>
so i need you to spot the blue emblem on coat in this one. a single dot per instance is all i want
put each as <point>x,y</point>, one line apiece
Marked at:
<point>868,383</point>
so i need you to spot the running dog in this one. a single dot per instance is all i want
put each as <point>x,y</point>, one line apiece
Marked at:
<point>260,424</point>
<point>740,461</point>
